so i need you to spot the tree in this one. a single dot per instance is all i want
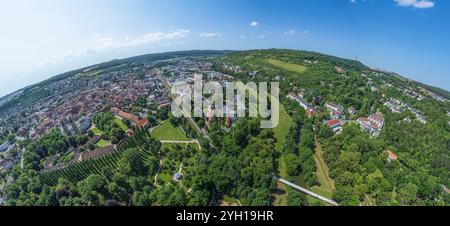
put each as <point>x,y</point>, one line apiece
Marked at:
<point>292,163</point>
<point>346,196</point>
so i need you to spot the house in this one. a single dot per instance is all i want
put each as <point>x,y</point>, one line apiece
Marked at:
<point>336,110</point>
<point>310,110</point>
<point>128,116</point>
<point>392,156</point>
<point>84,125</point>
<point>372,124</point>
<point>339,69</point>
<point>144,124</point>
<point>115,110</point>
<point>335,125</point>
<point>4,146</point>
<point>6,164</point>
<point>334,107</point>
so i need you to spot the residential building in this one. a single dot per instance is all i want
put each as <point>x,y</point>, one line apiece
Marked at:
<point>4,147</point>
<point>392,156</point>
<point>372,124</point>
<point>335,125</point>
<point>336,111</point>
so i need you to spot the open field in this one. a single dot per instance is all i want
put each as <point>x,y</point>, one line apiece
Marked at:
<point>327,185</point>
<point>97,131</point>
<point>282,128</point>
<point>288,66</point>
<point>121,124</point>
<point>103,143</point>
<point>167,131</point>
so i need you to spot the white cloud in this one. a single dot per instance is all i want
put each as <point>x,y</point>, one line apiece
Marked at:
<point>243,37</point>
<point>210,34</point>
<point>102,42</point>
<point>420,4</point>
<point>290,32</point>
<point>260,36</point>
<point>254,24</point>
<point>105,42</point>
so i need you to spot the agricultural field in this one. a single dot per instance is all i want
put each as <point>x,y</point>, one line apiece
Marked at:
<point>80,170</point>
<point>167,131</point>
<point>288,66</point>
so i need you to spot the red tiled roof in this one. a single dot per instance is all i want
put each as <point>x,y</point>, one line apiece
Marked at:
<point>142,123</point>
<point>392,155</point>
<point>132,118</point>
<point>332,122</point>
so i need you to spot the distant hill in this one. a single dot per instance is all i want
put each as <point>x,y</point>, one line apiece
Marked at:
<point>148,58</point>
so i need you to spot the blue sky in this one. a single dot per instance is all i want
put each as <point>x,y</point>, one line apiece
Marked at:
<point>43,38</point>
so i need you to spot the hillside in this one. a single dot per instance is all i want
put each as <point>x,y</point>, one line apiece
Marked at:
<point>350,133</point>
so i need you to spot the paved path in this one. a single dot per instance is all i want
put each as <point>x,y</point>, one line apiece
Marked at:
<point>21,157</point>
<point>317,196</point>
<point>182,142</point>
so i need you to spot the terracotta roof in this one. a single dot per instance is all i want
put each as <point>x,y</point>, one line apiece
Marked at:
<point>132,118</point>
<point>332,123</point>
<point>392,155</point>
<point>143,123</point>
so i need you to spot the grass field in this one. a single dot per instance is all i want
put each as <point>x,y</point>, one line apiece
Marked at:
<point>166,131</point>
<point>288,66</point>
<point>103,143</point>
<point>281,130</point>
<point>280,133</point>
<point>327,185</point>
<point>121,124</point>
<point>97,131</point>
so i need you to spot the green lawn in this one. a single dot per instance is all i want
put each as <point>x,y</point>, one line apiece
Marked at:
<point>327,185</point>
<point>103,143</point>
<point>288,66</point>
<point>97,131</point>
<point>280,134</point>
<point>167,131</point>
<point>121,124</point>
<point>281,130</point>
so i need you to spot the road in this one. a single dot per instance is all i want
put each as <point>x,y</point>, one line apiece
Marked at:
<point>317,196</point>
